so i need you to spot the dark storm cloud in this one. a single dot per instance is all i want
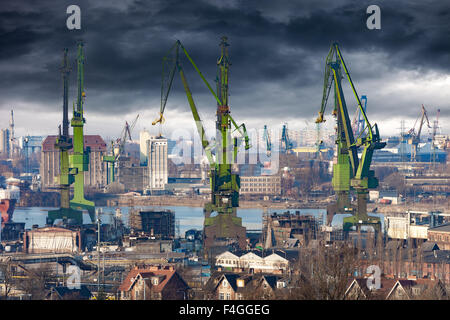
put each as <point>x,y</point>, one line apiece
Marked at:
<point>277,49</point>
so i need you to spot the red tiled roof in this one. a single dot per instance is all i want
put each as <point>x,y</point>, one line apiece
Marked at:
<point>95,142</point>
<point>147,273</point>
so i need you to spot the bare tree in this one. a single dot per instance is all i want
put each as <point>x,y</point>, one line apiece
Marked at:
<point>7,278</point>
<point>37,281</point>
<point>324,274</point>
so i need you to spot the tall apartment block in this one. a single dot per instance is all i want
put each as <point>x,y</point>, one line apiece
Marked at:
<point>157,163</point>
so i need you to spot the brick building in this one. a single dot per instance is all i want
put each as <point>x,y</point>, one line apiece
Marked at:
<point>440,235</point>
<point>50,168</point>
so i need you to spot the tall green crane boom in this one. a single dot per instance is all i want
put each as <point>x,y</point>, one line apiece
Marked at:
<point>224,184</point>
<point>79,159</point>
<point>350,172</point>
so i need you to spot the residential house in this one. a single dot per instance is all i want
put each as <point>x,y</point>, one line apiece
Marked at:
<point>395,289</point>
<point>358,289</point>
<point>234,286</point>
<point>420,288</point>
<point>154,283</point>
<point>252,262</point>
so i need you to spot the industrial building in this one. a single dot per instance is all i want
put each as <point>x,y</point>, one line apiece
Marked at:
<point>286,229</point>
<point>50,167</point>
<point>144,135</point>
<point>4,142</point>
<point>133,178</point>
<point>157,163</point>
<point>402,152</point>
<point>261,185</point>
<point>412,225</point>
<point>156,224</point>
<point>52,240</point>
<point>440,235</point>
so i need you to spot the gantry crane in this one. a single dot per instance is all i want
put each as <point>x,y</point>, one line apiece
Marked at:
<point>225,227</point>
<point>267,141</point>
<point>79,159</point>
<point>73,166</point>
<point>64,144</point>
<point>433,138</point>
<point>285,141</point>
<point>358,123</point>
<point>117,149</point>
<point>414,137</point>
<point>350,172</point>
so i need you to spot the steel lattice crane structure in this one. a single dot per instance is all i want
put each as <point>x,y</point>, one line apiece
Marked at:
<point>285,141</point>
<point>117,149</point>
<point>226,226</point>
<point>358,123</point>
<point>350,172</point>
<point>414,137</point>
<point>267,141</point>
<point>79,159</point>
<point>64,144</point>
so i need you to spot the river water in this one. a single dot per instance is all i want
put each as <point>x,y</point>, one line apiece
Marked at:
<point>188,217</point>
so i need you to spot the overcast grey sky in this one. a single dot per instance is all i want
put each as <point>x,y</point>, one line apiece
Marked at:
<point>277,49</point>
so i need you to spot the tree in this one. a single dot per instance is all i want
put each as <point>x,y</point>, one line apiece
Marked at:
<point>323,274</point>
<point>37,281</point>
<point>7,278</point>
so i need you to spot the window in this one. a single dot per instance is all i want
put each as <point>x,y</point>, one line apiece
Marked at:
<point>224,283</point>
<point>228,296</point>
<point>221,296</point>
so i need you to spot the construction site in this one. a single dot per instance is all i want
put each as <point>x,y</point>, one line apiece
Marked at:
<point>242,185</point>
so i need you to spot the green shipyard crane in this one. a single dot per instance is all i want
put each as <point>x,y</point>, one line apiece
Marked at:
<point>117,149</point>
<point>79,159</point>
<point>64,144</point>
<point>350,172</point>
<point>225,184</point>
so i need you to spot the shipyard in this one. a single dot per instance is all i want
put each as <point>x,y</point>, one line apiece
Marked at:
<point>158,165</point>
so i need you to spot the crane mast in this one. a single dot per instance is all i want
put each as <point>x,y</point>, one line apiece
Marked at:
<point>64,141</point>
<point>225,184</point>
<point>266,139</point>
<point>349,172</point>
<point>72,166</point>
<point>79,160</point>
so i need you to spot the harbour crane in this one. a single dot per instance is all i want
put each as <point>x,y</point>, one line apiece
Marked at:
<point>350,172</point>
<point>414,137</point>
<point>434,144</point>
<point>285,141</point>
<point>267,141</point>
<point>358,123</point>
<point>117,149</point>
<point>226,226</point>
<point>73,166</point>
